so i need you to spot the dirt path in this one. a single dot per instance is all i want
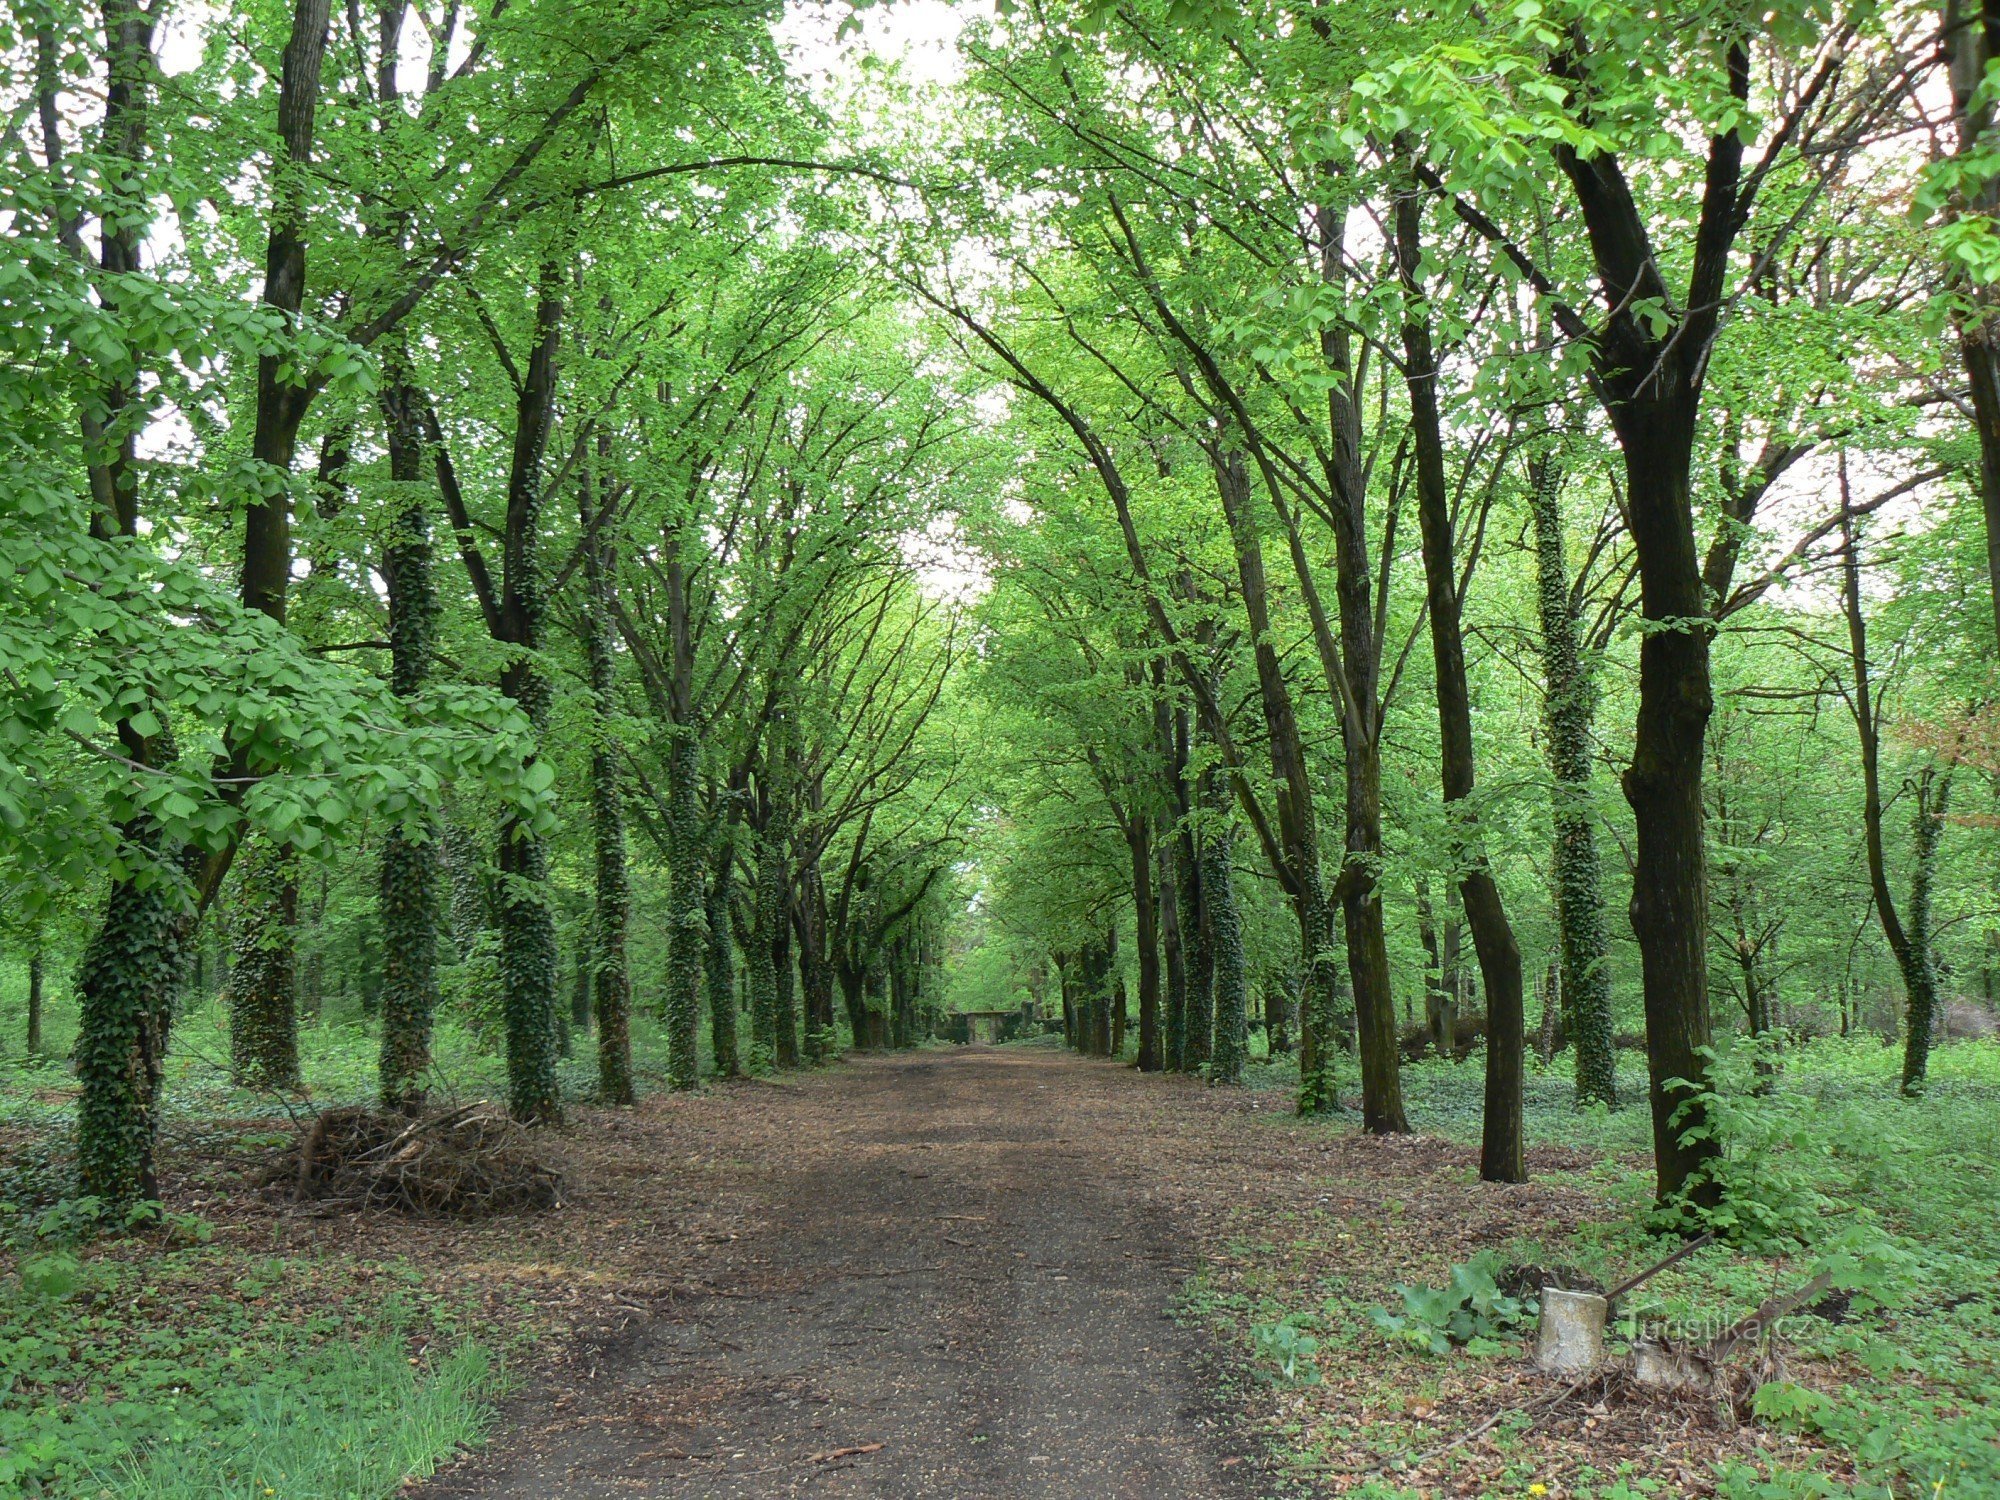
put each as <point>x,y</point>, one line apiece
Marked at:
<point>952,1257</point>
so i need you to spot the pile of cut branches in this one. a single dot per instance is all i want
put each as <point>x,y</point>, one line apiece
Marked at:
<point>464,1162</point>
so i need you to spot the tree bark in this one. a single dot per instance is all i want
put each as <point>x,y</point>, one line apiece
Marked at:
<point>1501,1152</point>
<point>408,899</point>
<point>719,961</point>
<point>1173,1038</point>
<point>1650,380</point>
<point>1198,1044</point>
<point>1225,944</point>
<point>1971,39</point>
<point>768,910</point>
<point>527,918</point>
<point>1170,743</point>
<point>1569,702</point>
<point>1139,843</point>
<point>1910,942</point>
<point>1297,821</point>
<point>266,1002</point>
<point>611,987</point>
<point>1361,660</point>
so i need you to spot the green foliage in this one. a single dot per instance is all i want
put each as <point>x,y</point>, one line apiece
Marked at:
<point>1468,1312</point>
<point>1291,1352</point>
<point>1769,1199</point>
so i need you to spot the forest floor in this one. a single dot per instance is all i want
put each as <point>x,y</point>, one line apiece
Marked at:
<point>941,1274</point>
<point>991,1274</point>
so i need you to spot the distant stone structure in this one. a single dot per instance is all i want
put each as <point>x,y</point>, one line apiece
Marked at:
<point>986,1027</point>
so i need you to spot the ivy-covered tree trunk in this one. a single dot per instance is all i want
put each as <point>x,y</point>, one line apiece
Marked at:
<point>760,957</point>
<point>1321,978</point>
<point>1195,936</point>
<point>1172,749</point>
<point>1225,941</point>
<point>1174,1020</point>
<point>527,915</point>
<point>582,977</point>
<point>1146,922</point>
<point>264,1002</point>
<point>1569,702</point>
<point>1920,964</point>
<point>127,985</point>
<point>822,1040</point>
<point>407,903</point>
<point>719,963</point>
<point>786,1002</point>
<point>603,947</point>
<point>687,916</point>
<point>263,989</point>
<point>1103,993</point>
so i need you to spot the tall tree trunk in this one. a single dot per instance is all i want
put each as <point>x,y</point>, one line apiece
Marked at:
<point>1501,1152</point>
<point>1173,1038</point>
<point>1933,797</point>
<point>1297,821</point>
<point>1440,945</point>
<point>527,916</point>
<point>1166,847</point>
<point>786,1004</point>
<point>822,1040</point>
<point>855,999</point>
<point>719,961</point>
<point>1909,942</point>
<point>408,897</point>
<point>1971,40</point>
<point>1663,786</point>
<point>1361,739</point>
<point>1277,1013</point>
<point>1569,703</point>
<point>687,918</point>
<point>265,1004</point>
<point>1225,942</point>
<point>611,977</point>
<point>583,977</point>
<point>263,990</point>
<point>1139,843</point>
<point>761,956</point>
<point>1197,1045</point>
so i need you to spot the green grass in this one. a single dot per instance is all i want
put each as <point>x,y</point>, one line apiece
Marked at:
<point>353,1424</point>
<point>165,1366</point>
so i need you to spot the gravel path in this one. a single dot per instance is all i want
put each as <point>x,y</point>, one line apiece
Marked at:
<point>950,1284</point>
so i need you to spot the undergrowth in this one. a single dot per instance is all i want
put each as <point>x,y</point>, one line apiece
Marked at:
<point>1894,1376</point>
